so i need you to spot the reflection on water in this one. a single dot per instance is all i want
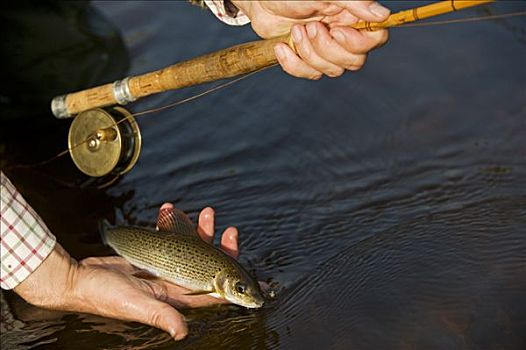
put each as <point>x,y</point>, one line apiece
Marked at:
<point>19,335</point>
<point>386,207</point>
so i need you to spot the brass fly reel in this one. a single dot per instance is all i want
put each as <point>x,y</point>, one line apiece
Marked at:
<point>104,141</point>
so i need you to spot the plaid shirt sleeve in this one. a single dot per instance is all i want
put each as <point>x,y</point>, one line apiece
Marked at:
<point>25,240</point>
<point>225,11</point>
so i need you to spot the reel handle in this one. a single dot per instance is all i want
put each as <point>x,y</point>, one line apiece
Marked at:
<point>226,63</point>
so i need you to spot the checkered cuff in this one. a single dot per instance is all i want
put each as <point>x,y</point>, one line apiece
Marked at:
<point>227,13</point>
<point>25,239</point>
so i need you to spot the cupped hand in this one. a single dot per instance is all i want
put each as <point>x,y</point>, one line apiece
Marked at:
<point>111,287</point>
<point>321,32</point>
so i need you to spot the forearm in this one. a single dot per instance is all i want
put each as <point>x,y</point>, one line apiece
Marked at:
<point>25,239</point>
<point>33,264</point>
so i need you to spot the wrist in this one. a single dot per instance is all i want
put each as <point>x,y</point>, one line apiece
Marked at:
<point>228,12</point>
<point>52,284</point>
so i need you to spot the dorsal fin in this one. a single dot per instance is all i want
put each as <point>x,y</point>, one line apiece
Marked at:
<point>175,221</point>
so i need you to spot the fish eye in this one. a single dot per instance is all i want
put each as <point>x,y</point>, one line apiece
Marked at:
<point>240,288</point>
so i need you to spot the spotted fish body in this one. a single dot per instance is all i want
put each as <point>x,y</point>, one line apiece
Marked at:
<point>177,254</point>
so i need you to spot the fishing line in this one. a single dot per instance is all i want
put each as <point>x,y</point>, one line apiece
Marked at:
<point>142,113</point>
<point>44,162</point>
<point>224,85</point>
<point>171,105</point>
<point>229,83</point>
<point>191,98</point>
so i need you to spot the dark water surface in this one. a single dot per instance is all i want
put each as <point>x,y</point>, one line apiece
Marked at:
<point>387,207</point>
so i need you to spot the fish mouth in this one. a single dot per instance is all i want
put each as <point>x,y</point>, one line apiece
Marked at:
<point>248,304</point>
<point>253,305</point>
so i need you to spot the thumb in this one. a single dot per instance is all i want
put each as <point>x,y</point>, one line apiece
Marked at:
<point>163,316</point>
<point>366,10</point>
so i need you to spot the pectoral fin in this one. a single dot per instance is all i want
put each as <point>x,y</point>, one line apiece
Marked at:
<point>145,275</point>
<point>199,292</point>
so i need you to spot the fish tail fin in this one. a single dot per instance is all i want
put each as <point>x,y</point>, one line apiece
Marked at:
<point>104,225</point>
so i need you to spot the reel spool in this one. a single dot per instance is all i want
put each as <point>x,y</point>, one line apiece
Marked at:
<point>99,146</point>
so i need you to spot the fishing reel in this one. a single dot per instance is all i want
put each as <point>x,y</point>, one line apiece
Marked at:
<point>104,142</point>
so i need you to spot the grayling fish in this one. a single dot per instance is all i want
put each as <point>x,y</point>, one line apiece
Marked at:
<point>177,254</point>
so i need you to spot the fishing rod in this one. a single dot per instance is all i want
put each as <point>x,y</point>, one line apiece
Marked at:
<point>103,141</point>
<point>226,63</point>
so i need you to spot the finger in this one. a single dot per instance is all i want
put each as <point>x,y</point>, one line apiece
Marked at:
<point>154,310</point>
<point>205,226</point>
<point>359,42</point>
<point>161,315</point>
<point>293,65</point>
<point>229,242</point>
<point>366,10</point>
<point>327,48</point>
<point>306,51</point>
<point>264,286</point>
<point>342,19</point>
<point>166,205</point>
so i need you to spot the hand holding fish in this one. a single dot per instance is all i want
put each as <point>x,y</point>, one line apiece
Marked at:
<point>320,31</point>
<point>107,286</point>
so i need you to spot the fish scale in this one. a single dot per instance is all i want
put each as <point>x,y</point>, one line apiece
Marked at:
<point>177,254</point>
<point>179,258</point>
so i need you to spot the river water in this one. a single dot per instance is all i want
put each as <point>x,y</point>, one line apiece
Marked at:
<point>387,207</point>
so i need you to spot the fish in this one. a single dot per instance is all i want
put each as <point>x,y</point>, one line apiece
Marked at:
<point>176,253</point>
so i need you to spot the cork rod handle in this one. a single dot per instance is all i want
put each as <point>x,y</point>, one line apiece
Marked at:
<point>226,63</point>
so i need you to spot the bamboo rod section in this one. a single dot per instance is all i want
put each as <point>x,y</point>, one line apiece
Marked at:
<point>419,13</point>
<point>226,63</point>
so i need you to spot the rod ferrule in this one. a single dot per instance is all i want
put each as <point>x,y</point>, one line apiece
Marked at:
<point>59,108</point>
<point>121,91</point>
